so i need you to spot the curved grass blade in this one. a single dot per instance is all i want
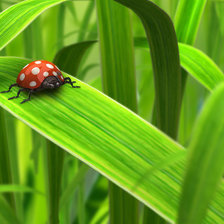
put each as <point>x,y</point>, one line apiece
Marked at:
<point>108,137</point>
<point>166,66</point>
<point>200,66</point>
<point>205,161</point>
<point>17,17</point>
<point>197,63</point>
<point>165,59</point>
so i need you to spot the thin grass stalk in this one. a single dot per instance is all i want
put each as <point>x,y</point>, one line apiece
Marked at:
<point>61,22</point>
<point>85,21</point>
<point>55,159</point>
<point>5,166</point>
<point>37,38</point>
<point>118,77</point>
<point>28,42</point>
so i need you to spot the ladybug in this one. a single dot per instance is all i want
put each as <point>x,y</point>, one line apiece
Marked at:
<point>37,76</point>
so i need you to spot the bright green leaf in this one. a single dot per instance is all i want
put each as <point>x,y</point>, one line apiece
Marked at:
<point>106,136</point>
<point>17,17</point>
<point>200,66</point>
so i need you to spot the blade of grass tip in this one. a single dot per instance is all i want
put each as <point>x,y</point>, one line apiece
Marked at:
<point>85,20</point>
<point>14,19</point>
<point>118,77</point>
<point>205,165</point>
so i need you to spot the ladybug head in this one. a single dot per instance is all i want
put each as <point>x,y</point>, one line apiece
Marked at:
<point>51,82</point>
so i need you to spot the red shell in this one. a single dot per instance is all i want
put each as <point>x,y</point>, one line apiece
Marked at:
<point>33,74</point>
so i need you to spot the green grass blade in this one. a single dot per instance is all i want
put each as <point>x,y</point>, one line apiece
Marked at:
<point>78,178</point>
<point>5,162</point>
<point>166,66</point>
<point>55,160</point>
<point>197,63</point>
<point>85,20</point>
<point>205,161</point>
<point>102,133</point>
<point>187,19</point>
<point>118,82</point>
<point>17,17</point>
<point>200,66</point>
<point>69,58</point>
<point>7,215</point>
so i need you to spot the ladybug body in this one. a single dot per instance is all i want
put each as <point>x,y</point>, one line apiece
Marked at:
<point>37,76</point>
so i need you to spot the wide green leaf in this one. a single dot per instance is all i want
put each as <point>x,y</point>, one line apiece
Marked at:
<point>17,17</point>
<point>205,165</point>
<point>106,136</point>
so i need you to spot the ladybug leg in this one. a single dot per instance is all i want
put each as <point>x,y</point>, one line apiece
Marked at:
<point>28,99</point>
<point>20,90</point>
<point>68,80</point>
<point>10,87</point>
